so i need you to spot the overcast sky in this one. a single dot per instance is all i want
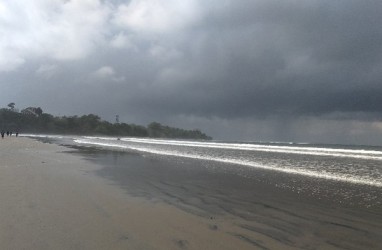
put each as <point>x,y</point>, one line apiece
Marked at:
<point>305,71</point>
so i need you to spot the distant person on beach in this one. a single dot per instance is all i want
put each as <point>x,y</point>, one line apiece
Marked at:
<point>17,133</point>
<point>2,134</point>
<point>7,133</point>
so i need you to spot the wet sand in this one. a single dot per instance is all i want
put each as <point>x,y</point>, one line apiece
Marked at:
<point>94,199</point>
<point>247,203</point>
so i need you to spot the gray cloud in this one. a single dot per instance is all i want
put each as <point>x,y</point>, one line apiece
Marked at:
<point>225,66</point>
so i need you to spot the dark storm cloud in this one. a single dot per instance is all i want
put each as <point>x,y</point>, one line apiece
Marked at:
<point>266,58</point>
<point>204,62</point>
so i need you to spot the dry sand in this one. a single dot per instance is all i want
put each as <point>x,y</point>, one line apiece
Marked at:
<point>52,200</point>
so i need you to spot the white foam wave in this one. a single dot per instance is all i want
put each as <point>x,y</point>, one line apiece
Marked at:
<point>42,136</point>
<point>305,172</point>
<point>317,151</point>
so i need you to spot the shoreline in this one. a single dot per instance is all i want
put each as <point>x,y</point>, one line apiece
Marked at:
<point>51,199</point>
<point>55,197</point>
<point>255,209</point>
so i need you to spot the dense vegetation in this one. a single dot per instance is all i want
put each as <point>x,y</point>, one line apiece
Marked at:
<point>33,120</point>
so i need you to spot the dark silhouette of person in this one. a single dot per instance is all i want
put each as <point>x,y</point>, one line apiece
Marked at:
<point>7,133</point>
<point>2,134</point>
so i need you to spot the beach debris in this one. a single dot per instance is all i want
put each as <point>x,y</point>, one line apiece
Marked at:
<point>123,237</point>
<point>181,243</point>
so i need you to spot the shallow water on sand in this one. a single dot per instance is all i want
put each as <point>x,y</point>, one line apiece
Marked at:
<point>353,173</point>
<point>258,208</point>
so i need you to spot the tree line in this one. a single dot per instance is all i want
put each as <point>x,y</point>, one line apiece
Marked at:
<point>34,120</point>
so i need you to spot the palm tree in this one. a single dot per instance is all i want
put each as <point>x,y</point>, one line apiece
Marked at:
<point>12,106</point>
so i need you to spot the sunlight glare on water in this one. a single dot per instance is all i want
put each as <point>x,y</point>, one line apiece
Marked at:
<point>358,165</point>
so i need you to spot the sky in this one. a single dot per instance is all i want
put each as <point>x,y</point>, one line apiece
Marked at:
<point>254,70</point>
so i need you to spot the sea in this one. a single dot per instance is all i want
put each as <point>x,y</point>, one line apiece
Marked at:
<point>352,173</point>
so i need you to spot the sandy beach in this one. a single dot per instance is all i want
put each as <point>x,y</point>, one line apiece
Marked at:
<point>54,199</point>
<point>51,200</point>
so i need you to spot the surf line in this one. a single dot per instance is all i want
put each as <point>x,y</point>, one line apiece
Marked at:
<point>304,172</point>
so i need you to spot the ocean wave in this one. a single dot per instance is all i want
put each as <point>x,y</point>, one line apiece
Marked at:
<point>349,177</point>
